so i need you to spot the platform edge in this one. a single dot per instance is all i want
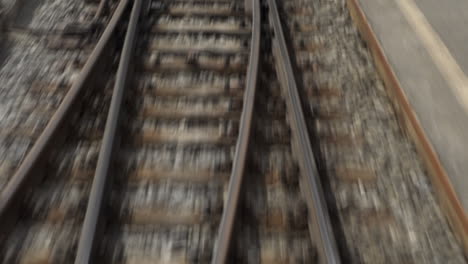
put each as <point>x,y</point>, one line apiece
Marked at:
<point>448,199</point>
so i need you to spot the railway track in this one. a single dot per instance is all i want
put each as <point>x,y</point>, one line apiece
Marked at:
<point>197,149</point>
<point>191,91</point>
<point>176,138</point>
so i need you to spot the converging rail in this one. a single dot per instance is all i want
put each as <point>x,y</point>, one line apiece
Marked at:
<point>30,169</point>
<point>222,247</point>
<point>88,234</point>
<point>34,168</point>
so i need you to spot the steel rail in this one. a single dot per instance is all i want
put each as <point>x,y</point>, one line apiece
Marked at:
<point>28,169</point>
<point>88,233</point>
<point>222,246</point>
<point>320,224</point>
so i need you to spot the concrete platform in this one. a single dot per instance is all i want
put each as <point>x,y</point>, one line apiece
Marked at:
<point>426,43</point>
